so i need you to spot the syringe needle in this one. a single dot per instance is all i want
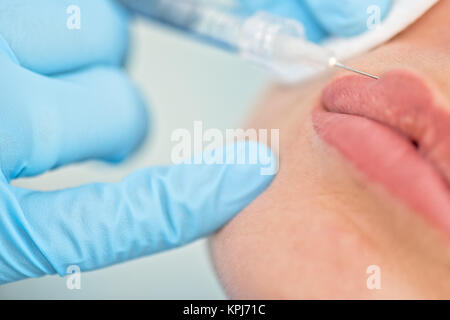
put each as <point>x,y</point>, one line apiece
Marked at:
<point>340,65</point>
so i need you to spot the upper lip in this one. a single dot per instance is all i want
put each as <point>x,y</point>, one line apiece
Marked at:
<point>403,101</point>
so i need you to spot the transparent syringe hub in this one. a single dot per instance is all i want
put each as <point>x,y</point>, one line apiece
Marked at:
<point>280,45</point>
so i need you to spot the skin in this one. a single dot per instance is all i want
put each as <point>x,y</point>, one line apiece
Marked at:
<point>323,222</point>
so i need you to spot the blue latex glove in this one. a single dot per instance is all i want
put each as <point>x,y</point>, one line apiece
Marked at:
<point>322,18</point>
<point>86,108</point>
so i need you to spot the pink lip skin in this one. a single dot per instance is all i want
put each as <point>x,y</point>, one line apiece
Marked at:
<point>373,123</point>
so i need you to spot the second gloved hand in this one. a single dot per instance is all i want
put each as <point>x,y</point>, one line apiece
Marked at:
<point>64,99</point>
<point>322,18</point>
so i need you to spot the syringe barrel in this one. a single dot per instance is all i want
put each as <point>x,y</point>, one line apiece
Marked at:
<point>276,43</point>
<point>210,19</point>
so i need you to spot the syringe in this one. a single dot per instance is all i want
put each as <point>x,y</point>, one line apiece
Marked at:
<point>274,42</point>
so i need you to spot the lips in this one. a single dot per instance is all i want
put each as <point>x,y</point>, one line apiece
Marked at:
<point>397,133</point>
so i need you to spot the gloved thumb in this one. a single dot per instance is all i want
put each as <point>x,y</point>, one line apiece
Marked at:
<point>152,210</point>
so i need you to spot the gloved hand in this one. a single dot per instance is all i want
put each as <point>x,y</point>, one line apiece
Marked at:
<point>64,98</point>
<point>322,18</point>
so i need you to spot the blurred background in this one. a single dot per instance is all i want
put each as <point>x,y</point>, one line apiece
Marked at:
<point>183,81</point>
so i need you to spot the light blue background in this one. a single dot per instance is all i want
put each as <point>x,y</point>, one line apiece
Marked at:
<point>185,82</point>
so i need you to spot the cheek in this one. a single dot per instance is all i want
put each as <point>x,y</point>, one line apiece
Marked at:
<point>316,230</point>
<point>310,247</point>
<point>275,249</point>
<point>279,244</point>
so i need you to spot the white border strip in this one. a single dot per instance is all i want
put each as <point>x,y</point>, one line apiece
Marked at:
<point>403,13</point>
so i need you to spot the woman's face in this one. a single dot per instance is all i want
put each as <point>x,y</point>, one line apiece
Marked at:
<point>363,181</point>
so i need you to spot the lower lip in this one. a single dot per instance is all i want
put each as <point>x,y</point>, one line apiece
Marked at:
<point>390,159</point>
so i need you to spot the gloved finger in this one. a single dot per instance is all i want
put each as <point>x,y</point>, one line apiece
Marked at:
<point>292,9</point>
<point>45,36</point>
<point>49,122</point>
<point>346,17</point>
<point>152,210</point>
